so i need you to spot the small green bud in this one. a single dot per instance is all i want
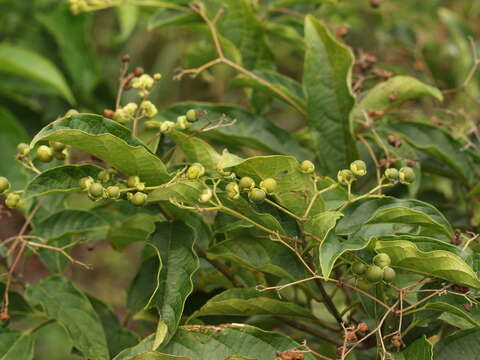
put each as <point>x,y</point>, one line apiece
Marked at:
<point>182,122</point>
<point>374,274</point>
<point>157,76</point>
<point>121,116</point>
<point>391,174</point>
<point>143,82</point>
<point>104,176</point>
<point>406,175</point>
<point>358,268</point>
<point>139,199</point>
<point>23,149</point>
<point>57,146</point>
<point>388,274</point>
<point>246,184</point>
<point>192,115</point>
<point>166,127</point>
<point>345,177</point>
<point>205,196</point>
<point>257,195</point>
<point>358,168</point>
<point>4,184</point>
<point>44,153</point>
<point>307,167</point>
<point>148,109</point>
<point>195,171</point>
<point>113,192</point>
<point>85,183</point>
<point>133,181</point>
<point>96,190</point>
<point>12,200</point>
<point>130,109</point>
<point>382,260</point>
<point>233,190</point>
<point>268,185</point>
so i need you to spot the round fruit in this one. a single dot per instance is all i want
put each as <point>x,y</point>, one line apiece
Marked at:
<point>382,260</point>
<point>139,199</point>
<point>351,336</point>
<point>195,171</point>
<point>307,167</point>
<point>23,149</point>
<point>388,274</point>
<point>406,175</point>
<point>268,185</point>
<point>345,177</point>
<point>96,190</point>
<point>374,274</point>
<point>12,200</point>
<point>364,284</point>
<point>257,195</point>
<point>113,192</point>
<point>4,184</point>
<point>362,327</point>
<point>45,153</point>
<point>233,191</point>
<point>391,174</point>
<point>192,115</point>
<point>85,183</point>
<point>246,183</point>
<point>205,196</point>
<point>133,181</point>
<point>104,176</point>
<point>358,168</point>
<point>57,146</point>
<point>359,268</point>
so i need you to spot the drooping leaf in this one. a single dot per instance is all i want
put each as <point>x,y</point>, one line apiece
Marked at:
<point>61,179</point>
<point>25,63</point>
<point>73,311</point>
<point>461,345</point>
<point>109,141</point>
<point>326,81</point>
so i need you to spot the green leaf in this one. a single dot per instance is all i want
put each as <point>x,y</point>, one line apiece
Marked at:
<point>11,133</point>
<point>292,91</point>
<point>184,191</point>
<point>61,179</point>
<point>439,263</point>
<point>15,345</point>
<point>73,311</point>
<point>403,87</point>
<point>132,229</point>
<point>461,345</point>
<point>68,222</point>
<point>249,302</point>
<point>321,224</point>
<point>174,263</point>
<point>220,342</point>
<point>440,145</point>
<point>109,141</point>
<point>153,355</point>
<point>420,349</point>
<point>169,17</point>
<point>127,16</point>
<point>327,85</point>
<point>25,63</point>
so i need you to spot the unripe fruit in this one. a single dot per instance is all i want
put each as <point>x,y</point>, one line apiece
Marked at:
<point>362,327</point>
<point>85,182</point>
<point>374,274</point>
<point>104,176</point>
<point>166,127</point>
<point>45,153</point>
<point>268,185</point>
<point>192,115</point>
<point>307,167</point>
<point>233,191</point>
<point>205,196</point>
<point>139,199</point>
<point>358,168</point>
<point>157,76</point>
<point>23,149</point>
<point>406,175</point>
<point>388,274</point>
<point>4,184</point>
<point>345,177</point>
<point>133,181</point>
<point>57,146</point>
<point>12,200</point>
<point>382,260</point>
<point>391,174</point>
<point>257,195</point>
<point>359,268</point>
<point>96,190</point>
<point>113,192</point>
<point>182,122</point>
<point>195,171</point>
<point>364,284</point>
<point>149,110</point>
<point>246,183</point>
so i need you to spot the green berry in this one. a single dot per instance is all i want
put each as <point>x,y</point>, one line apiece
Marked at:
<point>345,177</point>
<point>257,195</point>
<point>205,196</point>
<point>406,175</point>
<point>96,190</point>
<point>85,183</point>
<point>307,167</point>
<point>374,274</point>
<point>233,191</point>
<point>45,153</point>
<point>388,274</point>
<point>57,146</point>
<point>23,149</point>
<point>382,260</point>
<point>133,181</point>
<point>166,127</point>
<point>104,176</point>
<point>192,115</point>
<point>139,199</point>
<point>391,174</point>
<point>12,200</point>
<point>364,284</point>
<point>358,168</point>
<point>246,183</point>
<point>182,122</point>
<point>4,184</point>
<point>113,192</point>
<point>195,171</point>
<point>268,185</point>
<point>358,268</point>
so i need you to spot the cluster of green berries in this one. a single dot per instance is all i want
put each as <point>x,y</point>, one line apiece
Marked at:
<point>12,199</point>
<point>369,275</point>
<point>357,169</point>
<point>183,122</point>
<point>405,175</point>
<point>44,153</point>
<point>132,190</point>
